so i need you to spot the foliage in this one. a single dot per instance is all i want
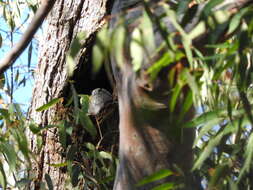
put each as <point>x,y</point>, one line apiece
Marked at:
<point>14,16</point>
<point>95,166</point>
<point>218,76</point>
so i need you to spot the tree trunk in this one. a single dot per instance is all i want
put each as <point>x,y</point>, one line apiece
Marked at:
<point>149,139</point>
<point>146,143</point>
<point>63,23</point>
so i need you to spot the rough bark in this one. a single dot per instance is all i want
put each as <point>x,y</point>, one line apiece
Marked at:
<point>146,143</point>
<point>147,138</point>
<point>65,20</point>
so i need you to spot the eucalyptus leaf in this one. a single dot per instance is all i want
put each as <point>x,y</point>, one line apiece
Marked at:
<point>236,20</point>
<point>118,42</point>
<point>97,58</point>
<point>49,104</point>
<point>164,186</point>
<point>161,174</point>
<point>136,49</point>
<point>248,158</point>
<point>76,170</point>
<point>10,153</point>
<point>207,151</point>
<point>3,180</point>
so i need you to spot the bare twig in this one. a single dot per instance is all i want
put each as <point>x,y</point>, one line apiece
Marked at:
<point>18,48</point>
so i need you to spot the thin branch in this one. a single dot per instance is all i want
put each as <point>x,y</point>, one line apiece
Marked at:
<point>18,48</point>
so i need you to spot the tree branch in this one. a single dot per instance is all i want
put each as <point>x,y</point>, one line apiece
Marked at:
<point>18,48</point>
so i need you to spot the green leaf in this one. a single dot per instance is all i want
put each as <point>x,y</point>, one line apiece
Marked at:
<point>191,81</point>
<point>21,139</point>
<point>118,41</point>
<point>60,165</point>
<point>103,38</point>
<point>232,185</point>
<point>75,47</point>
<point>248,158</point>
<point>39,143</point>
<point>164,186</point>
<point>16,76</point>
<point>71,153</point>
<point>217,177</point>
<point>49,104</point>
<point>87,124</point>
<point>235,21</point>
<point>197,30</point>
<point>161,174</point>
<point>204,118</point>
<point>30,53</point>
<point>182,7</point>
<point>207,151</point>
<point>213,142</point>
<point>3,181</point>
<point>2,81</point>
<point>136,49</point>
<point>186,40</point>
<point>71,65</point>
<point>188,101</point>
<point>34,128</point>
<point>222,16</point>
<point>208,125</point>
<point>208,9</point>
<point>175,93</point>
<point>146,27</point>
<point>105,155</point>
<point>167,58</point>
<point>5,114</point>
<point>84,100</point>
<point>90,146</point>
<point>76,170</point>
<point>97,58</point>
<point>10,154</point>
<point>49,182</point>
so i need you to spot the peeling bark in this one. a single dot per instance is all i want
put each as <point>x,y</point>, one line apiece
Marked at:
<point>65,20</point>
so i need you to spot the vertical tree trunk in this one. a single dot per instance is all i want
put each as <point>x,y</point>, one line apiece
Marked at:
<point>67,18</point>
<point>148,142</point>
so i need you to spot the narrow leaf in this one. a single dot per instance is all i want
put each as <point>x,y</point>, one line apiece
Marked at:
<point>207,151</point>
<point>164,186</point>
<point>136,50</point>
<point>10,153</point>
<point>118,41</point>
<point>30,49</point>
<point>49,104</point>
<point>3,181</point>
<point>155,177</point>
<point>248,158</point>
<point>76,170</point>
<point>203,118</point>
<point>97,58</point>
<point>235,21</point>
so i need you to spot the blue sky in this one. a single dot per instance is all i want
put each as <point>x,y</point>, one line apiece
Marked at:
<point>22,94</point>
